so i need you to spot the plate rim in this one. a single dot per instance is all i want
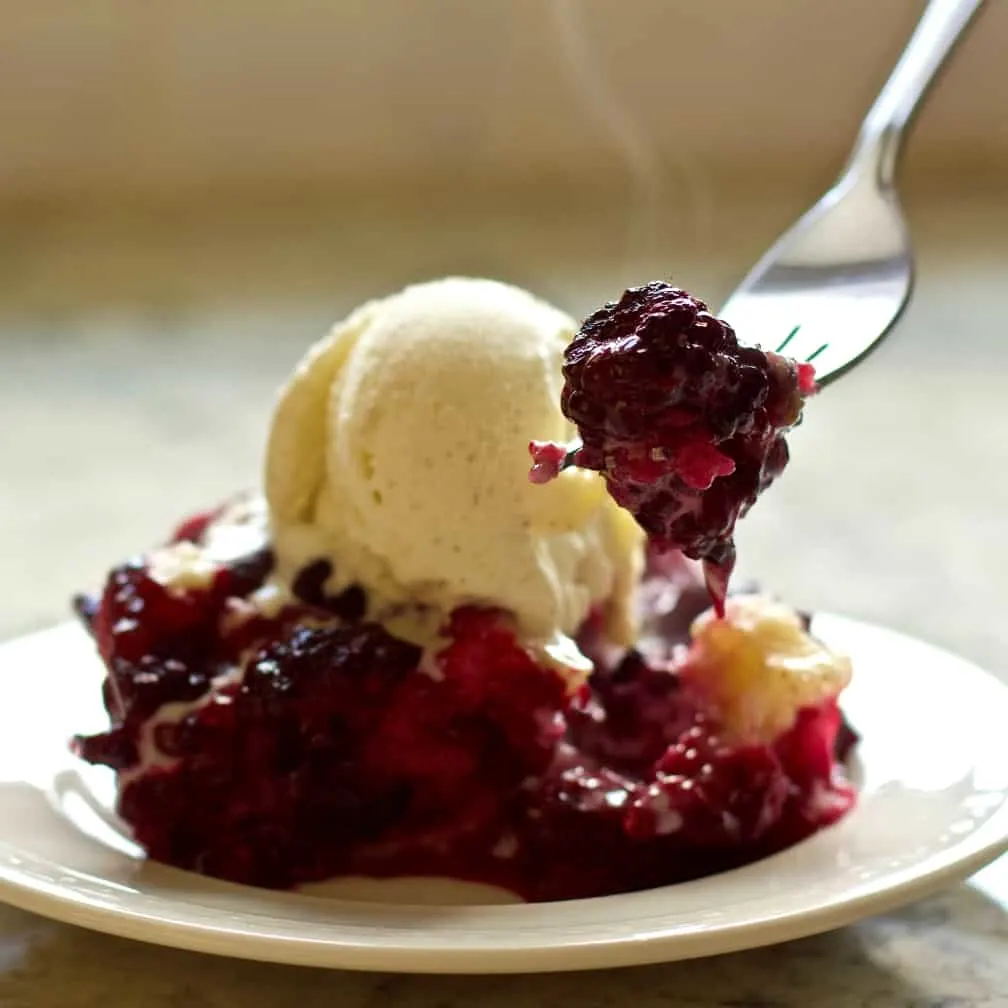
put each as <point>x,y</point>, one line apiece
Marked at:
<point>953,864</point>
<point>619,952</point>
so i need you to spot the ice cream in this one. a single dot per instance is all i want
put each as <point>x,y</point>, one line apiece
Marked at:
<point>398,452</point>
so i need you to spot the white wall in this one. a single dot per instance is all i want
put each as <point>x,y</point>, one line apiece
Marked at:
<point>108,94</point>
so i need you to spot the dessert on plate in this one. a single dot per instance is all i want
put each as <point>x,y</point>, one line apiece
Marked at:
<point>406,657</point>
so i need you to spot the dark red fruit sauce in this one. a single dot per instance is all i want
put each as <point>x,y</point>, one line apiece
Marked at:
<point>312,744</point>
<point>686,425</point>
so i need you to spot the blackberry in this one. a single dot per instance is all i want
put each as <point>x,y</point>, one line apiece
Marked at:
<point>709,795</point>
<point>349,605</point>
<point>686,425</point>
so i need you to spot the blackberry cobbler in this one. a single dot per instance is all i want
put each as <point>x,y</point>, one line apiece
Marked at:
<point>290,701</point>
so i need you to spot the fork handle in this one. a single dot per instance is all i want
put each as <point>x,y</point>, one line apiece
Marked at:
<point>940,27</point>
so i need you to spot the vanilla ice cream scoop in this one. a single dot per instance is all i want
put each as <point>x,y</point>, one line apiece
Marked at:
<point>399,453</point>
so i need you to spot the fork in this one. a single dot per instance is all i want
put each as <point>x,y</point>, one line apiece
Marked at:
<point>838,279</point>
<point>841,275</point>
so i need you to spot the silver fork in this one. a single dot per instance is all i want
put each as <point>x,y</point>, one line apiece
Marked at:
<point>831,287</point>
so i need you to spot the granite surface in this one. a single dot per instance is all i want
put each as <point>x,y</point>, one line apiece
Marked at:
<point>138,353</point>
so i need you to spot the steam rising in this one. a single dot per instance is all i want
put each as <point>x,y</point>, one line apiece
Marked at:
<point>652,239</point>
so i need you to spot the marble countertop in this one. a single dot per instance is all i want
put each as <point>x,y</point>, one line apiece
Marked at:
<point>137,359</point>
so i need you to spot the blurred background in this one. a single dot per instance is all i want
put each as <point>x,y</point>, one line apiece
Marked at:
<point>192,192</point>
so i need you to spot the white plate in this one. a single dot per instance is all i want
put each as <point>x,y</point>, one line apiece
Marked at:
<point>933,809</point>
